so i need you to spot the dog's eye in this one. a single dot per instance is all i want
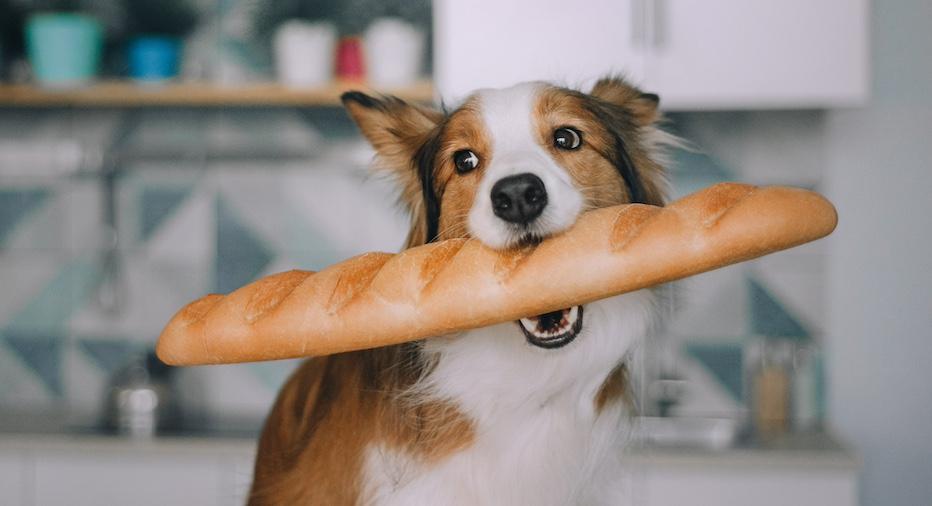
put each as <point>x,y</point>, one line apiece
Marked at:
<point>465,161</point>
<point>567,138</point>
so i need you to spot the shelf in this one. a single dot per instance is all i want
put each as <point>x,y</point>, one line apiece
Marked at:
<point>128,94</point>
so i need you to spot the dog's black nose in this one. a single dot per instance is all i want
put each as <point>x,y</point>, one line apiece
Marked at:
<point>519,198</point>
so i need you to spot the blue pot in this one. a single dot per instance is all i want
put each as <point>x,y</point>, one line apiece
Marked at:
<point>154,58</point>
<point>64,49</point>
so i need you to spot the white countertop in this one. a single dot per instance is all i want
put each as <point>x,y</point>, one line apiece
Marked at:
<point>797,451</point>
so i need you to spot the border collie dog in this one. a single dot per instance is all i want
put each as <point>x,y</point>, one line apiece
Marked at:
<point>531,412</point>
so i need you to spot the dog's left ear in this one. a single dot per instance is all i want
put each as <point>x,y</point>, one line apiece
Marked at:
<point>644,107</point>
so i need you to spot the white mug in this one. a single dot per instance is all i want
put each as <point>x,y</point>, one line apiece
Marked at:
<point>394,52</point>
<point>304,53</point>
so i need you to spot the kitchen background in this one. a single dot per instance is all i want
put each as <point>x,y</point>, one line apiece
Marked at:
<point>203,147</point>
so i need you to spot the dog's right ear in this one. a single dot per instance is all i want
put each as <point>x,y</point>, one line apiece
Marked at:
<point>395,128</point>
<point>398,131</point>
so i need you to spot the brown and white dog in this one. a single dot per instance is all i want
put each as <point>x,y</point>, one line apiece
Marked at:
<point>527,412</point>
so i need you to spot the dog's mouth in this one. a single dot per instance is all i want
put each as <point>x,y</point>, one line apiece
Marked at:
<point>553,330</point>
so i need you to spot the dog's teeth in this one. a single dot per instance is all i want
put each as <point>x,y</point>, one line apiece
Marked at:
<point>557,333</point>
<point>566,324</point>
<point>529,324</point>
<point>574,314</point>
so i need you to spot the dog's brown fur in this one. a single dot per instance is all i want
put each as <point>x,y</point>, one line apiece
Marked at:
<point>331,409</point>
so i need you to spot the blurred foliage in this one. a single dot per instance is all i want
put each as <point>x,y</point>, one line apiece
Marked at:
<point>11,27</point>
<point>108,12</point>
<point>54,5</point>
<point>161,17</point>
<point>351,17</point>
<point>269,14</point>
<point>124,18</point>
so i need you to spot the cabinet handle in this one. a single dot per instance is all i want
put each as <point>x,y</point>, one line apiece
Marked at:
<point>654,16</point>
<point>638,22</point>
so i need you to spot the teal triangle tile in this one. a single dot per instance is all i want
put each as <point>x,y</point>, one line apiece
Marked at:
<point>770,318</point>
<point>725,362</point>
<point>42,354</point>
<point>308,244</point>
<point>156,205</point>
<point>59,299</point>
<point>272,375</point>
<point>241,253</point>
<point>697,163</point>
<point>109,355</point>
<point>694,171</point>
<point>16,205</point>
<point>315,260</point>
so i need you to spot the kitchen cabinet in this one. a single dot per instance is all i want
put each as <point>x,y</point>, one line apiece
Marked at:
<point>114,478</point>
<point>489,43</point>
<point>13,480</point>
<point>79,470</point>
<point>696,54</point>
<point>758,53</point>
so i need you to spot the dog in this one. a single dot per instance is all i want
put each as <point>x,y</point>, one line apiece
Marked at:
<point>526,412</point>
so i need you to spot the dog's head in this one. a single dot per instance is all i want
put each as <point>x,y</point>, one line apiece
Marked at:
<point>517,165</point>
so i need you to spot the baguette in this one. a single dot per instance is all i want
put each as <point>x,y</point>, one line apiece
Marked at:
<point>379,299</point>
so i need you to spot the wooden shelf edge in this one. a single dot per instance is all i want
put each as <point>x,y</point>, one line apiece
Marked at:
<point>129,94</point>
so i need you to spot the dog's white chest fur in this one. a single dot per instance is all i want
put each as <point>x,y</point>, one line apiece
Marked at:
<point>539,438</point>
<point>553,455</point>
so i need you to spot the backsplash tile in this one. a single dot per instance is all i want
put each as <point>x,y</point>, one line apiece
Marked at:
<point>157,204</point>
<point>108,355</point>
<point>769,318</point>
<point>188,226</point>
<point>15,205</point>
<point>726,363</point>
<point>241,254</point>
<point>41,353</point>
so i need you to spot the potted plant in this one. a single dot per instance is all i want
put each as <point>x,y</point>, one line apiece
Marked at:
<point>157,41</point>
<point>303,40</point>
<point>63,43</point>
<point>10,32</point>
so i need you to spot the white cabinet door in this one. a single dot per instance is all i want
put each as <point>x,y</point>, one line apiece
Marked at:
<point>79,479</point>
<point>495,43</point>
<point>14,489</point>
<point>758,53</point>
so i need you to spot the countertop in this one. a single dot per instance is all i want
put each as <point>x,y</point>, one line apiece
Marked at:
<point>817,449</point>
<point>797,451</point>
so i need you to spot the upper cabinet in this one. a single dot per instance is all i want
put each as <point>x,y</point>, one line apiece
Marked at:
<point>696,54</point>
<point>495,43</point>
<point>758,53</point>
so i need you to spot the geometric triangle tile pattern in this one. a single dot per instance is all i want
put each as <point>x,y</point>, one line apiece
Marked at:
<point>273,374</point>
<point>108,354</point>
<point>16,205</point>
<point>769,318</point>
<point>157,204</point>
<point>241,254</point>
<point>693,170</point>
<point>55,304</point>
<point>42,354</point>
<point>725,362</point>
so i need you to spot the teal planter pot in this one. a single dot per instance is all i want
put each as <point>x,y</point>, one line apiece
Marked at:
<point>154,59</point>
<point>64,49</point>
